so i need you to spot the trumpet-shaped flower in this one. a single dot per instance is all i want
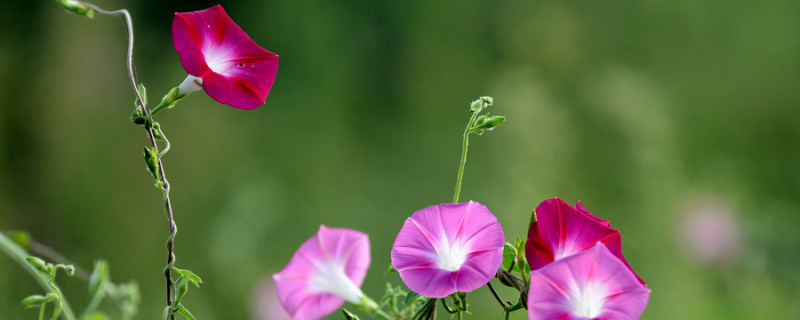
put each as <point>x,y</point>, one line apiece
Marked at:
<point>561,230</point>
<point>592,284</point>
<point>447,248</point>
<point>222,59</point>
<point>326,271</point>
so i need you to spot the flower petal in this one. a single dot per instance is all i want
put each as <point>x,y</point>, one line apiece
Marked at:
<point>447,248</point>
<point>235,70</point>
<point>326,270</point>
<point>561,230</point>
<point>593,284</point>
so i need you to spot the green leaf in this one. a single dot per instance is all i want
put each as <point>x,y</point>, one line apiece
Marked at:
<point>509,252</point>
<point>390,271</point>
<point>185,312</point>
<point>35,300</point>
<point>349,315</point>
<point>98,277</point>
<point>410,297</point>
<point>188,274</point>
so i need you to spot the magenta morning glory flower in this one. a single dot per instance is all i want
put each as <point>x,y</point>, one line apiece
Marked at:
<point>592,284</point>
<point>447,248</point>
<point>222,59</point>
<point>326,271</point>
<point>561,230</point>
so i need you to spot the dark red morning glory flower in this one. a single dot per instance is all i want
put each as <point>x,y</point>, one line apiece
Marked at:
<point>221,58</point>
<point>562,230</point>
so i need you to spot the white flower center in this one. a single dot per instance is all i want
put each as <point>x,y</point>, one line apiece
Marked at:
<point>588,303</point>
<point>451,255</point>
<point>331,278</point>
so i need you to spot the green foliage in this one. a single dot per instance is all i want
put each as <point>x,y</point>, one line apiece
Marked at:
<point>181,285</point>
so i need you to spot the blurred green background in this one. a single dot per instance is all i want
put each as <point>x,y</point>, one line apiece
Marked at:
<point>651,113</point>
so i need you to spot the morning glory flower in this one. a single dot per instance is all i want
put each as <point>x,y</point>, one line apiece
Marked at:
<point>561,230</point>
<point>326,271</point>
<point>222,59</point>
<point>448,248</point>
<point>592,284</point>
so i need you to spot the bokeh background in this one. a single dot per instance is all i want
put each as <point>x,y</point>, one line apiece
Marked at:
<point>676,121</point>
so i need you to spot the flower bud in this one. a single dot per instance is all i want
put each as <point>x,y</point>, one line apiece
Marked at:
<point>77,7</point>
<point>481,103</point>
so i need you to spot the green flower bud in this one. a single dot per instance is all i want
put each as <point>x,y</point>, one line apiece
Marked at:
<point>77,7</point>
<point>39,264</point>
<point>151,160</point>
<point>35,300</point>
<point>481,103</point>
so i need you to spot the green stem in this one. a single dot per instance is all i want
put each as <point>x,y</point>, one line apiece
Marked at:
<point>93,304</point>
<point>383,314</point>
<point>464,154</point>
<point>18,254</point>
<point>41,311</point>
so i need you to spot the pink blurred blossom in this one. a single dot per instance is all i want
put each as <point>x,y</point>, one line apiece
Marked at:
<point>591,284</point>
<point>447,248</point>
<point>561,230</point>
<point>326,271</point>
<point>222,59</point>
<point>710,232</point>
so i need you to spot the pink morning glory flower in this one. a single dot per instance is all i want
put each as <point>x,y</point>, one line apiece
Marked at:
<point>561,230</point>
<point>592,284</point>
<point>222,59</point>
<point>326,271</point>
<point>448,248</point>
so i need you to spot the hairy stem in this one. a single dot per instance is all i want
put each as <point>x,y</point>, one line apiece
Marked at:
<point>464,155</point>
<point>173,228</point>
<point>18,254</point>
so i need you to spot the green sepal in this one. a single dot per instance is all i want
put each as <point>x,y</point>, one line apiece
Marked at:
<point>138,118</point>
<point>389,271</point>
<point>349,315</point>
<point>168,101</point>
<point>533,219</point>
<point>35,300</point>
